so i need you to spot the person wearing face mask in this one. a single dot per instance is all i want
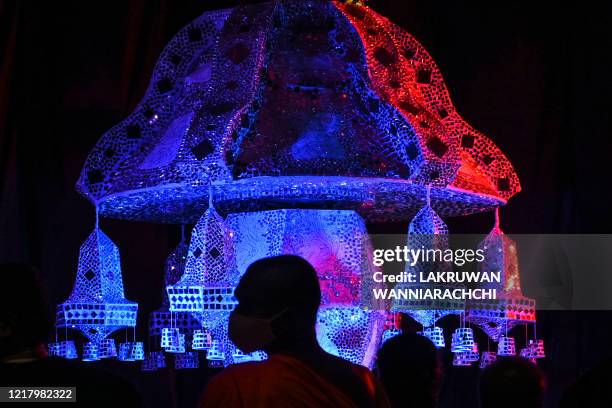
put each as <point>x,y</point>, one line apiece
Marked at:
<point>278,299</point>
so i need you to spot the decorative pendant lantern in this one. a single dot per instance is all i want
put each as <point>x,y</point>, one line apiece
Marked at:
<point>463,340</point>
<point>487,358</point>
<point>371,137</point>
<point>97,306</point>
<point>427,230</point>
<point>506,346</point>
<point>107,348</point>
<point>510,308</point>
<point>153,361</point>
<point>64,349</point>
<point>90,351</point>
<point>461,360</point>
<point>173,341</point>
<point>162,318</point>
<point>202,340</point>
<point>436,335</point>
<point>186,360</point>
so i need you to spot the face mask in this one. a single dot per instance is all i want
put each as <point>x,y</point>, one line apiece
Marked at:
<point>250,334</point>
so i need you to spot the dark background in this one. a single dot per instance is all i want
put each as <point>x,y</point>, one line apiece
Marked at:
<point>534,76</point>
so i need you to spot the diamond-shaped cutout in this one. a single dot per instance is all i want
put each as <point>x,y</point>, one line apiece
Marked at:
<point>89,275</point>
<point>197,252</point>
<point>437,146</point>
<point>214,253</point>
<point>202,149</point>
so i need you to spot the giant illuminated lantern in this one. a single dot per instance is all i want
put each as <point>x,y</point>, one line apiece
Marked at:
<point>283,127</point>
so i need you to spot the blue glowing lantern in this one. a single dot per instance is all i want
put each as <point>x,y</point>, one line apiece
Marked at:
<point>131,351</point>
<point>107,348</point>
<point>207,286</point>
<point>506,346</point>
<point>148,364</point>
<point>90,351</point>
<point>153,361</point>
<point>186,360</point>
<point>202,339</point>
<point>163,322</point>
<point>159,358</point>
<point>97,306</point>
<point>68,349</point>
<point>463,340</point>
<point>174,342</point>
<point>462,359</point>
<point>240,357</point>
<point>163,318</point>
<point>487,358</point>
<point>215,353</point>
<point>435,334</point>
<point>229,107</point>
<point>54,349</point>
<point>427,230</point>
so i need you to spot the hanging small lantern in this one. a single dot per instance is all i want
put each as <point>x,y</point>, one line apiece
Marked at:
<point>159,358</point>
<point>527,353</point>
<point>506,346</point>
<point>427,230</point>
<point>107,348</point>
<point>202,340</point>
<point>487,358</point>
<point>54,349</point>
<point>240,357</point>
<point>186,360</point>
<point>154,361</point>
<point>510,308</point>
<point>148,364</point>
<point>131,351</point>
<point>176,342</point>
<point>68,349</point>
<point>167,334</point>
<point>436,335</point>
<point>461,360</point>
<point>538,346</point>
<point>90,351</point>
<point>215,354</point>
<point>472,355</point>
<point>124,352</point>
<point>463,340</point>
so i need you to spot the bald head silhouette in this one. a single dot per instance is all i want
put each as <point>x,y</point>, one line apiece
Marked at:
<point>285,289</point>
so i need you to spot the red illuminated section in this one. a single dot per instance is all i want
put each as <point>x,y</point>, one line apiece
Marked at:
<point>405,75</point>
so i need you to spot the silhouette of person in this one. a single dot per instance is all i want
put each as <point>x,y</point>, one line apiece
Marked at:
<point>512,382</point>
<point>409,368</point>
<point>24,328</point>
<point>278,299</point>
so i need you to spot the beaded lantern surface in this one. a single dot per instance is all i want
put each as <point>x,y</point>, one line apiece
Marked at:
<point>367,122</point>
<point>97,305</point>
<point>427,230</point>
<point>162,321</point>
<point>302,119</point>
<point>498,316</point>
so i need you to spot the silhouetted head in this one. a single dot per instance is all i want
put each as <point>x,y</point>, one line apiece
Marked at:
<point>278,299</point>
<point>409,368</point>
<point>511,382</point>
<point>24,317</point>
